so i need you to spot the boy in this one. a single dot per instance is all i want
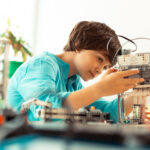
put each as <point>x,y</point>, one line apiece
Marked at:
<point>56,78</point>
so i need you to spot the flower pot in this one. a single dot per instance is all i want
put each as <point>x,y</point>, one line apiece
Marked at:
<point>13,65</point>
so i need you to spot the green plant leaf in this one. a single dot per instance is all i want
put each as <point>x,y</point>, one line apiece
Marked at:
<point>1,50</point>
<point>15,51</point>
<point>18,44</point>
<point>24,56</point>
<point>3,35</point>
<point>27,51</point>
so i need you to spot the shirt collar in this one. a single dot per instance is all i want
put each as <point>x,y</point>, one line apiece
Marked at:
<point>63,66</point>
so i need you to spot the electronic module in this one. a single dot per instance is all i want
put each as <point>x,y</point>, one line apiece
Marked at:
<point>140,93</point>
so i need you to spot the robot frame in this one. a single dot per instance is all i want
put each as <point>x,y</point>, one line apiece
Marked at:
<point>129,60</point>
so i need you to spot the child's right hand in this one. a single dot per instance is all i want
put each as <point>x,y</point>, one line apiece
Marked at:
<point>114,82</point>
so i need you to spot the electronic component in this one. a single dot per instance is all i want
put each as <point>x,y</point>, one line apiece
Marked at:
<point>82,115</point>
<point>140,61</point>
<point>73,116</point>
<point>25,106</point>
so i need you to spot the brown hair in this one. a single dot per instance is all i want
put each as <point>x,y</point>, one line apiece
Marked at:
<point>93,36</point>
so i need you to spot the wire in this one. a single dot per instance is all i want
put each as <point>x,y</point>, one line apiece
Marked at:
<point>139,38</point>
<point>128,40</point>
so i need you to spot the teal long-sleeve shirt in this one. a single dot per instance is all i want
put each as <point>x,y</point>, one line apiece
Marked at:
<point>45,77</point>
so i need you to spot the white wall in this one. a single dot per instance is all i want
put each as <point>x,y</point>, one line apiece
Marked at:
<point>57,17</point>
<point>20,13</point>
<point>46,24</point>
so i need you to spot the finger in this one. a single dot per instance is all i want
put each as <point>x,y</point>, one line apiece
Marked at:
<point>128,86</point>
<point>108,71</point>
<point>135,80</point>
<point>125,89</point>
<point>115,70</point>
<point>128,73</point>
<point>131,86</point>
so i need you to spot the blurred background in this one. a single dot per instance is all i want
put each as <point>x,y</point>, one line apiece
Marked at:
<point>46,24</point>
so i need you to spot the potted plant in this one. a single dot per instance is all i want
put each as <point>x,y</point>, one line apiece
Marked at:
<point>18,45</point>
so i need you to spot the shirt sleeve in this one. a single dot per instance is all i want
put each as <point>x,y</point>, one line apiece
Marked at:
<point>39,82</point>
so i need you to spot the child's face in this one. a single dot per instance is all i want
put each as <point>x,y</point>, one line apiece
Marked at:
<point>90,63</point>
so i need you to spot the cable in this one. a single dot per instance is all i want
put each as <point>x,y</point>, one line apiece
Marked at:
<point>128,40</point>
<point>139,38</point>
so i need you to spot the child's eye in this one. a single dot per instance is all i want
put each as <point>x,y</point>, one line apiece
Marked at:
<point>100,59</point>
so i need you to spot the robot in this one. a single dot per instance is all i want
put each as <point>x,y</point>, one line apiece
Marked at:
<point>139,94</point>
<point>46,113</point>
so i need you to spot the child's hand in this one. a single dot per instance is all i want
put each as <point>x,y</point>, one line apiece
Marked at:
<point>114,82</point>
